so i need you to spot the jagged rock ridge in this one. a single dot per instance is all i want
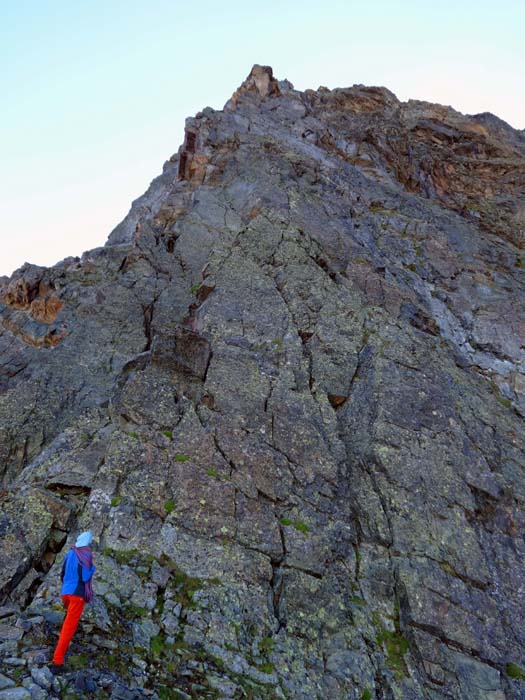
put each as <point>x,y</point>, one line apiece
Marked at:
<point>288,397</point>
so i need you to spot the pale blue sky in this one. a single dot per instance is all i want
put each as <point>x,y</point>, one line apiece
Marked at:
<point>94,95</point>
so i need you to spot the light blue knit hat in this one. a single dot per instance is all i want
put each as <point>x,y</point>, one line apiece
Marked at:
<point>84,539</point>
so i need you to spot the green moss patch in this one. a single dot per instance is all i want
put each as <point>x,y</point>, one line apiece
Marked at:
<point>267,667</point>
<point>184,586</point>
<point>157,644</point>
<point>394,643</point>
<point>396,647</point>
<point>169,506</point>
<point>501,399</point>
<point>135,611</point>
<point>515,671</point>
<point>181,458</point>
<point>78,662</point>
<point>504,402</point>
<point>129,556</point>
<point>297,524</point>
<point>266,645</point>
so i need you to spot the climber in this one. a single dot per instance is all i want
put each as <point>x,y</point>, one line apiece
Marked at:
<point>77,572</point>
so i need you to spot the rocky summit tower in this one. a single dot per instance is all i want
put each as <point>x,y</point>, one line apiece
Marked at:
<point>288,398</point>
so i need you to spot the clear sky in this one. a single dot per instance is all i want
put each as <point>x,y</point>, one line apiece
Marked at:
<point>94,94</point>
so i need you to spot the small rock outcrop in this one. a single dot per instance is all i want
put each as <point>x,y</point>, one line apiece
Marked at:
<point>288,399</point>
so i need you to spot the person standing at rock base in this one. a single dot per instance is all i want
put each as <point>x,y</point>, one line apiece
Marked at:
<point>76,575</point>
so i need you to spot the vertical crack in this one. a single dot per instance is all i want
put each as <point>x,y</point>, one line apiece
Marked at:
<point>277,586</point>
<point>148,317</point>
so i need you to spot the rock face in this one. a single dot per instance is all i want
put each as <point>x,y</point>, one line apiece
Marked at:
<point>288,398</point>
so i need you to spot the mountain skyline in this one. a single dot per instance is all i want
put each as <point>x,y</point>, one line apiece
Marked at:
<point>97,96</point>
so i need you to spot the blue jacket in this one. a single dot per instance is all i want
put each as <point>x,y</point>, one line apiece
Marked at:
<point>74,575</point>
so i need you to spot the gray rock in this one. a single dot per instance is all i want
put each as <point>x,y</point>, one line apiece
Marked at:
<point>37,693</point>
<point>170,623</point>
<point>36,656</point>
<point>223,685</point>
<point>15,694</point>
<point>113,599</point>
<point>105,680</point>
<point>5,682</point>
<point>139,662</point>
<point>53,616</point>
<point>9,647</point>
<point>84,683</point>
<point>143,631</point>
<point>8,632</point>
<point>121,692</point>
<point>105,643</point>
<point>178,693</point>
<point>159,575</point>
<point>42,677</point>
<point>288,397</point>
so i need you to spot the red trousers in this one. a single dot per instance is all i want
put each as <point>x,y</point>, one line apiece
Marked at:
<point>74,605</point>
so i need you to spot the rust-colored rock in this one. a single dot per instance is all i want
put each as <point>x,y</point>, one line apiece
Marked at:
<point>46,308</point>
<point>260,82</point>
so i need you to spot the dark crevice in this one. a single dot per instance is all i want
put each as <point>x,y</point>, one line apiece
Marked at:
<point>208,362</point>
<point>471,582</point>
<point>191,139</point>
<point>323,264</point>
<point>69,489</point>
<point>362,355</point>
<point>24,461</point>
<point>384,507</point>
<point>182,165</point>
<point>123,264</point>
<point>39,563</point>
<point>277,585</point>
<point>223,454</point>
<point>308,572</point>
<point>337,400</point>
<point>306,350</point>
<point>148,317</point>
<point>454,644</point>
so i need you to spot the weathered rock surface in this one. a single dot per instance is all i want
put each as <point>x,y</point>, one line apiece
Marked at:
<point>288,398</point>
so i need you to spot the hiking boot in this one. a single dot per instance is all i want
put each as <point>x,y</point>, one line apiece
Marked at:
<point>56,669</point>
